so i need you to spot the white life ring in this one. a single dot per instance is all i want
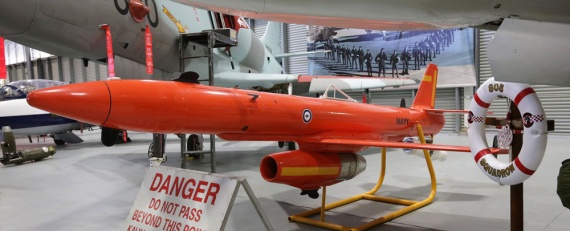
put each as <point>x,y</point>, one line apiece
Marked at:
<point>534,138</point>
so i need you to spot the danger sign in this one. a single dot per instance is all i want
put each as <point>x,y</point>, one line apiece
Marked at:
<point>172,199</point>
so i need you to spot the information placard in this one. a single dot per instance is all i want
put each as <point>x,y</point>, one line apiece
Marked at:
<point>172,199</point>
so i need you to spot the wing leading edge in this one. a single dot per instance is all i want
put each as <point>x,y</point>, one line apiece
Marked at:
<point>317,83</point>
<point>344,83</point>
<point>390,144</point>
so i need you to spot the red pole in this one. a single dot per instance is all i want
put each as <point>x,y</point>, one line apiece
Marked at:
<point>148,51</point>
<point>110,56</point>
<point>2,60</point>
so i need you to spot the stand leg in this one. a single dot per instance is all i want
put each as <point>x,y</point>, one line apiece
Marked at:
<point>323,204</point>
<point>410,205</point>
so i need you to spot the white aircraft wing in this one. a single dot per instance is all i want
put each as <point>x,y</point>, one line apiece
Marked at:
<point>292,54</point>
<point>18,107</point>
<point>317,83</point>
<point>320,83</point>
<point>250,80</point>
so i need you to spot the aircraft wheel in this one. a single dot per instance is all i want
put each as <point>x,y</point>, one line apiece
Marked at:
<point>151,153</point>
<point>291,146</point>
<point>150,150</point>
<point>195,143</point>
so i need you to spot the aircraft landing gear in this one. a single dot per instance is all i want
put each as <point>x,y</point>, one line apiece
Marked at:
<point>195,142</point>
<point>290,145</point>
<point>58,142</point>
<point>313,194</point>
<point>154,160</point>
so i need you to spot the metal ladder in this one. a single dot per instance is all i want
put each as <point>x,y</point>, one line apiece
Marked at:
<point>210,39</point>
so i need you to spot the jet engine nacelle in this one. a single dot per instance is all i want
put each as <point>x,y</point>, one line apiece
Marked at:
<point>310,170</point>
<point>434,155</point>
<point>410,140</point>
<point>250,51</point>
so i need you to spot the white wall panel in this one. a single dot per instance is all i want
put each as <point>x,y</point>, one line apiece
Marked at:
<point>297,42</point>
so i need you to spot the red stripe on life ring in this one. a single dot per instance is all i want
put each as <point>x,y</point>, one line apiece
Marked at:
<point>482,153</point>
<point>523,169</point>
<point>481,102</point>
<point>522,94</point>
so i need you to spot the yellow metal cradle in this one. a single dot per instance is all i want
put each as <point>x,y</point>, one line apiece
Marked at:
<point>410,205</point>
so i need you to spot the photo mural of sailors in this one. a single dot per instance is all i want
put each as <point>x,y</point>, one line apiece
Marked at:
<point>360,58</point>
<point>381,60</point>
<point>416,53</point>
<point>358,52</point>
<point>353,56</point>
<point>368,60</point>
<point>406,57</point>
<point>394,59</point>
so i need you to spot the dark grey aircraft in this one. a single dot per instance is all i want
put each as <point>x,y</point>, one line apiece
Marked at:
<point>71,28</point>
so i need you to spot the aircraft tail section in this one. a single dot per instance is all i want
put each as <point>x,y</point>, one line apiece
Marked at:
<point>272,37</point>
<point>425,98</point>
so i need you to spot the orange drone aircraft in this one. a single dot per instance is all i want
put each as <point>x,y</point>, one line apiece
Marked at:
<point>329,131</point>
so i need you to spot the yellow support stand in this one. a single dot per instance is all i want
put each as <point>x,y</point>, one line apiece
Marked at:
<point>410,205</point>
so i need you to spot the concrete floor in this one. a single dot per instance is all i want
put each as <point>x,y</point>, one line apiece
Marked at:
<point>90,187</point>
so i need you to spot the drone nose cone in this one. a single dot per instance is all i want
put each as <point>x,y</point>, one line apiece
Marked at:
<point>86,102</point>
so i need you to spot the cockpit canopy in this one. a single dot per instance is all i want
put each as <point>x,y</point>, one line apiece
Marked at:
<point>20,89</point>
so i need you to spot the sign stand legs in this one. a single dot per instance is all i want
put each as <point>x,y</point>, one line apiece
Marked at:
<point>256,204</point>
<point>253,199</point>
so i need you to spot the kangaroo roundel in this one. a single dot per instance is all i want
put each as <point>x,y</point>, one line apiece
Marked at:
<point>307,116</point>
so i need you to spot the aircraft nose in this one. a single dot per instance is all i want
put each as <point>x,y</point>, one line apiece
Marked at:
<point>86,102</point>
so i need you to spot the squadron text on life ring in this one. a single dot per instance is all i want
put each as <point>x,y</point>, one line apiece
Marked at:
<point>534,138</point>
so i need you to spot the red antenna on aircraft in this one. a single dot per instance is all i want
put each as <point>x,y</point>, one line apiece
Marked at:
<point>2,60</point>
<point>138,10</point>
